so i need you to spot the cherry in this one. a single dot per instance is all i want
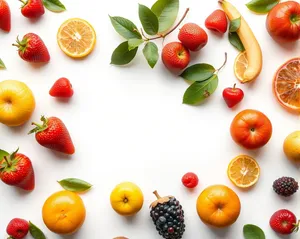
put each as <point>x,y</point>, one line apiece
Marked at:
<point>233,96</point>
<point>190,180</point>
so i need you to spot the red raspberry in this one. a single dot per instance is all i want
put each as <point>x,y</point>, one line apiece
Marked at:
<point>190,180</point>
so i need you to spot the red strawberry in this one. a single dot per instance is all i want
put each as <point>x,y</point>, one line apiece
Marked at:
<point>32,49</point>
<point>32,8</point>
<point>192,36</point>
<point>284,222</point>
<point>16,170</point>
<point>175,56</point>
<point>17,228</point>
<point>62,88</point>
<point>54,135</point>
<point>5,17</point>
<point>217,21</point>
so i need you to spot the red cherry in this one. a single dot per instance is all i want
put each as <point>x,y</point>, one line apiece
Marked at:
<point>233,96</point>
<point>190,180</point>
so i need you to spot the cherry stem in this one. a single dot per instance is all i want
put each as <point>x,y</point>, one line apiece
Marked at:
<point>234,86</point>
<point>156,194</point>
<point>223,63</point>
<point>8,163</point>
<point>169,32</point>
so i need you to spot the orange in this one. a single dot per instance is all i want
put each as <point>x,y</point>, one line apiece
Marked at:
<point>240,66</point>
<point>286,85</point>
<point>127,199</point>
<point>291,147</point>
<point>218,206</point>
<point>17,103</point>
<point>76,38</point>
<point>243,171</point>
<point>63,212</point>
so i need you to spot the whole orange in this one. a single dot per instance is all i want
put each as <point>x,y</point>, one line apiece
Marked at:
<point>251,129</point>
<point>218,206</point>
<point>63,212</point>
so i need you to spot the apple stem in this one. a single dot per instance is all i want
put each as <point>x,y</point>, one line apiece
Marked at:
<point>234,86</point>
<point>8,163</point>
<point>223,63</point>
<point>156,194</point>
<point>169,32</point>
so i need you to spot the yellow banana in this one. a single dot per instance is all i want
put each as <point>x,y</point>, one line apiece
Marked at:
<point>251,45</point>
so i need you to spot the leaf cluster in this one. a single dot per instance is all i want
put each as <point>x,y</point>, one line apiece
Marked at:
<point>155,21</point>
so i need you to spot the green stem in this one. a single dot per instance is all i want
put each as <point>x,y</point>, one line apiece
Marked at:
<point>223,64</point>
<point>169,32</point>
<point>7,162</point>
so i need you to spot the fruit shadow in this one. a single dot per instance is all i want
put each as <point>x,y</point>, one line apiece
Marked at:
<point>38,65</point>
<point>288,46</point>
<point>22,129</point>
<point>60,156</point>
<point>63,100</point>
<point>220,232</point>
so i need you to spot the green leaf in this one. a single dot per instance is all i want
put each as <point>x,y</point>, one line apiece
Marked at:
<point>125,27</point>
<point>75,185</point>
<point>2,65</point>
<point>2,154</point>
<point>35,232</point>
<point>134,43</point>
<point>235,24</point>
<point>148,19</point>
<point>150,52</point>
<point>121,55</point>
<point>54,5</point>
<point>198,72</point>
<point>166,11</point>
<point>253,232</point>
<point>199,91</point>
<point>235,40</point>
<point>262,6</point>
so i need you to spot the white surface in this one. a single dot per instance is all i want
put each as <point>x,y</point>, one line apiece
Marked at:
<point>128,123</point>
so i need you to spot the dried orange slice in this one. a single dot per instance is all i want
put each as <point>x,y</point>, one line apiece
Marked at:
<point>243,171</point>
<point>76,37</point>
<point>240,66</point>
<point>286,85</point>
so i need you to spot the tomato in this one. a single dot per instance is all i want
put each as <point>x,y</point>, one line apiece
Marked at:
<point>251,129</point>
<point>283,21</point>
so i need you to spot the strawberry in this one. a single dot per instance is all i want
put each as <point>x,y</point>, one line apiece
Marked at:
<point>284,222</point>
<point>32,49</point>
<point>32,8</point>
<point>16,170</point>
<point>192,36</point>
<point>17,228</point>
<point>5,17</point>
<point>54,135</point>
<point>217,21</point>
<point>62,88</point>
<point>175,56</point>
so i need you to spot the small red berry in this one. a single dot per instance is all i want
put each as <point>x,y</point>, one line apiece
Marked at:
<point>233,96</point>
<point>62,88</point>
<point>190,180</point>
<point>17,228</point>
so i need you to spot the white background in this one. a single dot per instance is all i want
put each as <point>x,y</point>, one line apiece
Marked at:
<point>128,123</point>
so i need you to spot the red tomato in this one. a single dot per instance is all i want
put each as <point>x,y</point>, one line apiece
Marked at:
<point>283,21</point>
<point>251,129</point>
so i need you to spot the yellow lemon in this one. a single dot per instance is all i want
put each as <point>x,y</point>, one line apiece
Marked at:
<point>17,103</point>
<point>76,38</point>
<point>64,212</point>
<point>291,146</point>
<point>126,199</point>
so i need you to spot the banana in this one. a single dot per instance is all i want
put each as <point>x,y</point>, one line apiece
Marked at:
<point>251,45</point>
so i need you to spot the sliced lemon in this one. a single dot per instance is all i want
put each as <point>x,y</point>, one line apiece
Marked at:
<point>243,171</point>
<point>76,37</point>
<point>240,66</point>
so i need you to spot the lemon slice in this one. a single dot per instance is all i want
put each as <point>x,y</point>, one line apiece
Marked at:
<point>240,66</point>
<point>243,171</point>
<point>76,38</point>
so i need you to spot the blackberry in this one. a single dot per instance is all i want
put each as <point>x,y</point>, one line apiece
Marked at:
<point>285,186</point>
<point>168,217</point>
